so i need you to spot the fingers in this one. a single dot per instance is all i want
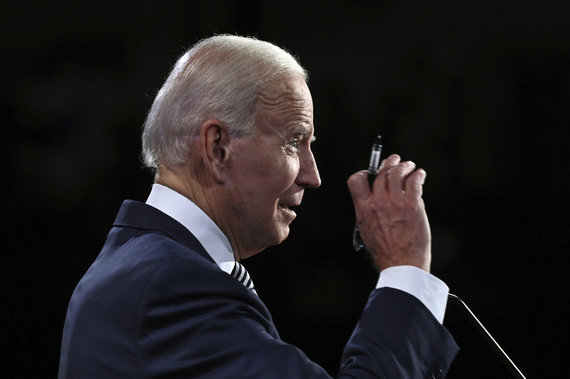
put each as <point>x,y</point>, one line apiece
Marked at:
<point>379,183</point>
<point>388,163</point>
<point>399,178</point>
<point>394,178</point>
<point>415,182</point>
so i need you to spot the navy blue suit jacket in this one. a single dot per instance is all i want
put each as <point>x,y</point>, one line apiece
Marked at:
<point>155,305</point>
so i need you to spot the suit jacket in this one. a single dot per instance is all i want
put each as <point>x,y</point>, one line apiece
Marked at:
<point>155,305</point>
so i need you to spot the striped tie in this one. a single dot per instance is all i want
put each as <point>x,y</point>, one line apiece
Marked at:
<point>240,273</point>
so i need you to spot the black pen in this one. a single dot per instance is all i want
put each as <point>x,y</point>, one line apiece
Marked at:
<point>373,166</point>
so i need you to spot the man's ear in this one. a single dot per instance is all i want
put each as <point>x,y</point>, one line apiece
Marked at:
<point>214,147</point>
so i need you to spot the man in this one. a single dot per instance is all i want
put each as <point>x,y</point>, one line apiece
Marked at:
<point>229,135</point>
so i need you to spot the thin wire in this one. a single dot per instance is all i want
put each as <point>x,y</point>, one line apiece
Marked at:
<point>510,364</point>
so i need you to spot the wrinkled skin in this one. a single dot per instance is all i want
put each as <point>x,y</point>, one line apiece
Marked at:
<point>391,216</point>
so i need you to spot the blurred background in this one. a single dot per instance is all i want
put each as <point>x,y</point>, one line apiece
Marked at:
<point>476,93</point>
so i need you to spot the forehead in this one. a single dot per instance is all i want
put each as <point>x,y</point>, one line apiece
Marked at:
<point>293,87</point>
<point>287,101</point>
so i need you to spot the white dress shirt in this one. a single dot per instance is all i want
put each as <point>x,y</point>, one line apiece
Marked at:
<point>196,221</point>
<point>431,291</point>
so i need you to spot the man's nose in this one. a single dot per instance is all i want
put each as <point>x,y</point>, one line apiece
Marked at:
<point>308,172</point>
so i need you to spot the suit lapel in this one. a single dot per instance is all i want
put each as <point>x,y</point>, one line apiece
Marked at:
<point>137,215</point>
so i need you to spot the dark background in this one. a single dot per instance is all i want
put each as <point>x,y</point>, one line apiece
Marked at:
<point>476,93</point>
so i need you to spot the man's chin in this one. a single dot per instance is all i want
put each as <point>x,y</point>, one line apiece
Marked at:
<point>285,234</point>
<point>274,238</point>
<point>280,235</point>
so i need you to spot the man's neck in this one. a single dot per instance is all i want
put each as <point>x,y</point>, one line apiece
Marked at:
<point>205,195</point>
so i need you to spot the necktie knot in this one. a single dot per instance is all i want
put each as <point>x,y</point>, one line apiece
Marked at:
<point>240,273</point>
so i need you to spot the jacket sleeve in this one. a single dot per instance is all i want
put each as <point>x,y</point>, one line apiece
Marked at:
<point>397,337</point>
<point>196,321</point>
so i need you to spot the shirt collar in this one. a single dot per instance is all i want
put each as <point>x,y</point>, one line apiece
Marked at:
<point>196,221</point>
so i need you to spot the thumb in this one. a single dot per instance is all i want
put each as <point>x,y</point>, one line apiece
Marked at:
<point>359,188</point>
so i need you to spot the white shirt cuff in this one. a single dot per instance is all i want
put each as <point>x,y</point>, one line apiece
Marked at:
<point>428,289</point>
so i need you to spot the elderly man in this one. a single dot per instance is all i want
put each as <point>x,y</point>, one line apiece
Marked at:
<point>229,135</point>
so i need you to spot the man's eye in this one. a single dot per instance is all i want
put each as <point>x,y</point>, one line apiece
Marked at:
<point>295,144</point>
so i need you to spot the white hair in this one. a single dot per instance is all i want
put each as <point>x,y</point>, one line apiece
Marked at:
<point>218,78</point>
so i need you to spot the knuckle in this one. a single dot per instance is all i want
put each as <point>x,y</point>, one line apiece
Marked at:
<point>392,158</point>
<point>393,172</point>
<point>350,180</point>
<point>377,206</point>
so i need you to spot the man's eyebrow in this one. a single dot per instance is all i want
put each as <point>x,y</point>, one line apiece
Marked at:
<point>300,129</point>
